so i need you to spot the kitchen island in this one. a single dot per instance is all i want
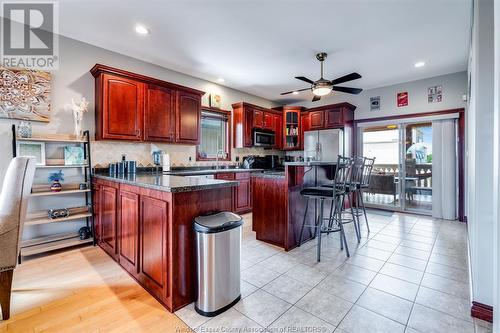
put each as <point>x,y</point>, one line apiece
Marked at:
<point>144,222</point>
<point>278,208</point>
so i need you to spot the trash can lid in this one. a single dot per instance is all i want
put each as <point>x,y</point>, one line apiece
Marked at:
<point>218,222</point>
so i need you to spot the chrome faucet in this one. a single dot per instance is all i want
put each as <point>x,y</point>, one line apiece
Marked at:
<point>222,153</point>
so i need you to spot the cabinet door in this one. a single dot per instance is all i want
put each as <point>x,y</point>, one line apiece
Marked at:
<point>258,118</point>
<point>242,201</point>
<point>278,130</point>
<point>333,118</point>
<point>128,219</point>
<point>122,108</point>
<point>96,193</point>
<point>305,125</point>
<point>188,117</point>
<point>107,217</point>
<point>317,120</point>
<point>153,268</point>
<point>159,114</point>
<point>268,121</point>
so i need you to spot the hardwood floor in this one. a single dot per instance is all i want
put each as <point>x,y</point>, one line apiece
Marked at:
<point>83,290</point>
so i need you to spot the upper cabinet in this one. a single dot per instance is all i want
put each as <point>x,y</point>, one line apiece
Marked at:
<point>331,116</point>
<point>247,117</point>
<point>134,107</point>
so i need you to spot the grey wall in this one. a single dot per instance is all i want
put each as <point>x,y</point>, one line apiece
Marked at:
<point>454,86</point>
<point>479,139</point>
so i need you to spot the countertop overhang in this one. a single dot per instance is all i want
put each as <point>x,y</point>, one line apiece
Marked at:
<point>311,163</point>
<point>169,183</point>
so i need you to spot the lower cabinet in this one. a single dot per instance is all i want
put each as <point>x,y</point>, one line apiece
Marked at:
<point>128,220</point>
<point>242,194</point>
<point>153,269</point>
<point>107,219</point>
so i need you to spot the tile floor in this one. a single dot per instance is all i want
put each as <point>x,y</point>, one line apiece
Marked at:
<point>409,275</point>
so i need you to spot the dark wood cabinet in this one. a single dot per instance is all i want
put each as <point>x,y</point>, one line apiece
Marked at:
<point>305,125</point>
<point>241,194</point>
<point>188,118</point>
<point>268,121</point>
<point>153,267</point>
<point>317,120</point>
<point>278,130</point>
<point>135,107</point>
<point>333,118</point>
<point>96,194</point>
<point>107,219</point>
<point>258,118</point>
<point>128,222</point>
<point>159,115</point>
<point>122,105</point>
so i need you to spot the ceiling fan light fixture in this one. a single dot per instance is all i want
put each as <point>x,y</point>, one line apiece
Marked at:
<point>321,91</point>
<point>295,92</point>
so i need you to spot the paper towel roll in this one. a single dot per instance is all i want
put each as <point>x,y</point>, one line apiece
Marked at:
<point>165,162</point>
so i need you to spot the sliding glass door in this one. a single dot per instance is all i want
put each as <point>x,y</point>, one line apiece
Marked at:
<point>402,174</point>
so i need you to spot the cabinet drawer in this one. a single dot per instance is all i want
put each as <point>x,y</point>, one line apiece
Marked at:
<point>242,175</point>
<point>225,176</point>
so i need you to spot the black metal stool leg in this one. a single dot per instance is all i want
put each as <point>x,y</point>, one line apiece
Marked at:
<point>318,229</point>
<point>354,220</point>
<point>364,210</point>
<point>303,222</point>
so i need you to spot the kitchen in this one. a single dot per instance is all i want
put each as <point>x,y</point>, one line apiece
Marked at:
<point>169,142</point>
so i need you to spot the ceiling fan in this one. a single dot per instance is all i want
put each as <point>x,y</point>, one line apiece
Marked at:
<point>323,87</point>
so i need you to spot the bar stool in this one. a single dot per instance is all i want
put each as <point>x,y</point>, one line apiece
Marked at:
<point>365,178</point>
<point>337,194</point>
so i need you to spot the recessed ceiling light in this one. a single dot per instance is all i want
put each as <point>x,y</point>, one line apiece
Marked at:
<point>295,93</point>
<point>220,80</point>
<point>140,29</point>
<point>419,64</point>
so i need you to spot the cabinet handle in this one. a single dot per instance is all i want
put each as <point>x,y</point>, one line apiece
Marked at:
<point>138,132</point>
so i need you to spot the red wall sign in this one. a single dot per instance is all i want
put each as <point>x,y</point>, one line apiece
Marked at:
<point>402,99</point>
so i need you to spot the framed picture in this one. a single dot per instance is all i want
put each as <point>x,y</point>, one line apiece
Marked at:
<point>25,94</point>
<point>33,149</point>
<point>435,94</point>
<point>375,103</point>
<point>215,101</point>
<point>402,99</point>
<point>73,155</point>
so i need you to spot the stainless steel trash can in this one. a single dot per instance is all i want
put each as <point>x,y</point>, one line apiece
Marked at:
<point>218,248</point>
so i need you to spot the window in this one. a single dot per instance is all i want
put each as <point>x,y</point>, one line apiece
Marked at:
<point>214,136</point>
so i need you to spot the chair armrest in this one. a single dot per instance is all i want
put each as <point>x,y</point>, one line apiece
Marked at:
<point>7,223</point>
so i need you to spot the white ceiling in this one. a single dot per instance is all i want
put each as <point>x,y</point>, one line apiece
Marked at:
<point>258,46</point>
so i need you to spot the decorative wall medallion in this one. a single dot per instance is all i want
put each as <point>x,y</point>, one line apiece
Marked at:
<point>215,101</point>
<point>375,103</point>
<point>25,94</point>
<point>402,99</point>
<point>435,94</point>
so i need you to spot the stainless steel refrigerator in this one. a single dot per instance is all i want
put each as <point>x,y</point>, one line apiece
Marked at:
<point>326,145</point>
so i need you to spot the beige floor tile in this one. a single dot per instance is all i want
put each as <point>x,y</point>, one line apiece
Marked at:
<point>355,273</point>
<point>448,286</point>
<point>288,289</point>
<point>307,274</point>
<point>452,305</point>
<point>448,272</point>
<point>409,262</point>
<point>414,253</point>
<point>374,253</point>
<point>297,320</point>
<point>402,272</point>
<point>342,287</point>
<point>262,307</point>
<point>385,304</point>
<point>360,320</point>
<point>395,287</point>
<point>280,263</point>
<point>325,306</point>
<point>366,262</point>
<point>259,275</point>
<point>427,320</point>
<point>230,321</point>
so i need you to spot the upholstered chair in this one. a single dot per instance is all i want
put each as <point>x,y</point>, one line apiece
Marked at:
<point>13,204</point>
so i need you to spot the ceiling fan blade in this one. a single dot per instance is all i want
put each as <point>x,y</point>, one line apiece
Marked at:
<point>348,90</point>
<point>345,78</point>
<point>305,79</point>
<point>289,92</point>
<point>316,98</point>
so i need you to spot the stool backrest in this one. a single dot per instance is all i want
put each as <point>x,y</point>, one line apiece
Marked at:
<point>367,170</point>
<point>343,173</point>
<point>357,169</point>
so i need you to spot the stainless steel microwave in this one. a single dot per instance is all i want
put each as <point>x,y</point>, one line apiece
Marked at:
<point>263,138</point>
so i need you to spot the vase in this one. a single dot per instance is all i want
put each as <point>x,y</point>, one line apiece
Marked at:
<point>56,186</point>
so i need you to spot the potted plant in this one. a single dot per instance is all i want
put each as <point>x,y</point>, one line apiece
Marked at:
<point>56,178</point>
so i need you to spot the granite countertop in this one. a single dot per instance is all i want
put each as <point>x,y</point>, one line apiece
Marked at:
<point>269,174</point>
<point>169,183</point>
<point>206,172</point>
<point>311,163</point>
